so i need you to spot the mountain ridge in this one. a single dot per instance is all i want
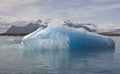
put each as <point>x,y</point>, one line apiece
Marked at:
<point>15,26</point>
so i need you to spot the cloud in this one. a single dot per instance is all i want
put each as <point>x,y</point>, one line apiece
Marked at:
<point>9,5</point>
<point>90,9</point>
<point>32,12</point>
<point>57,8</point>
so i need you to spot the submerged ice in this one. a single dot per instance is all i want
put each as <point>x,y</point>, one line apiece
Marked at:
<point>59,36</point>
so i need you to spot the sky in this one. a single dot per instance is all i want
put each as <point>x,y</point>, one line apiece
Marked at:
<point>102,12</point>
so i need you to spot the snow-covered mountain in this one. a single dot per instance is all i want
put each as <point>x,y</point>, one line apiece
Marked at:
<point>12,25</point>
<point>16,26</point>
<point>8,22</point>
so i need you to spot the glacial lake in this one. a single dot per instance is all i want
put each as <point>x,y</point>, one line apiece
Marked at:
<point>15,60</point>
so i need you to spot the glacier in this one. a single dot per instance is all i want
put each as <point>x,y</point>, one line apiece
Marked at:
<point>59,36</point>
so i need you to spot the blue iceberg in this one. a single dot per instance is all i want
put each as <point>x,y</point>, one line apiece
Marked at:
<point>59,36</point>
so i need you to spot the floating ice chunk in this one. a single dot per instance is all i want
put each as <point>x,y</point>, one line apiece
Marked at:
<point>59,36</point>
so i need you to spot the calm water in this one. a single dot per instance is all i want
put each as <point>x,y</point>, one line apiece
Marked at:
<point>15,60</point>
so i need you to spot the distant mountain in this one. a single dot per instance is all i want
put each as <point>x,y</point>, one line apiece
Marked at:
<point>14,26</point>
<point>8,22</point>
<point>87,26</point>
<point>19,27</point>
<point>26,29</point>
<point>115,32</point>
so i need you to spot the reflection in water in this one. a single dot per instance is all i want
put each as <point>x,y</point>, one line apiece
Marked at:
<point>89,60</point>
<point>88,52</point>
<point>68,61</point>
<point>50,59</point>
<point>59,61</point>
<point>15,59</point>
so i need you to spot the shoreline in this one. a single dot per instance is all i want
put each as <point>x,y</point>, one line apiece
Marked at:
<point>13,34</point>
<point>23,34</point>
<point>110,34</point>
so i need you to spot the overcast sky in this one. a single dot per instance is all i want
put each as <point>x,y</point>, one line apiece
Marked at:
<point>93,11</point>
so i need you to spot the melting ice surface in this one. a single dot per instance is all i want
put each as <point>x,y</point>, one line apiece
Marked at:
<point>59,36</point>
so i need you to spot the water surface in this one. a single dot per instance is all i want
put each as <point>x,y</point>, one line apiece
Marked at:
<point>15,60</point>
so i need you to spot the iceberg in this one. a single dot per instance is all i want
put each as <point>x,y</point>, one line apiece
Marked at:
<point>59,36</point>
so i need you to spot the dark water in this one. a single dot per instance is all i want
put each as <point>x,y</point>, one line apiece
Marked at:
<point>15,60</point>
